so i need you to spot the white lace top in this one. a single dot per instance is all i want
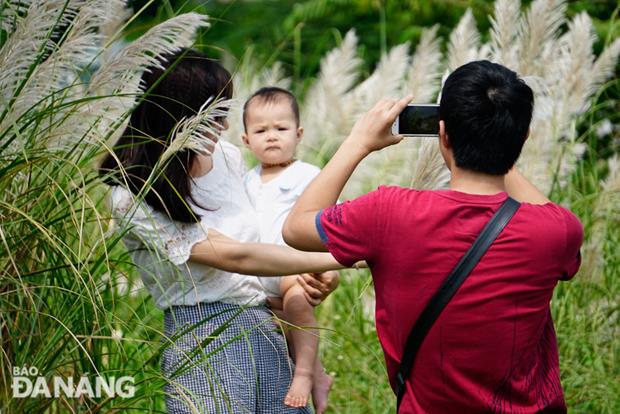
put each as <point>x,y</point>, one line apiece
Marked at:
<point>161,247</point>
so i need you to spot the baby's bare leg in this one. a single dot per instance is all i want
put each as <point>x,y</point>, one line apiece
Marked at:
<point>322,382</point>
<point>299,313</point>
<point>321,386</point>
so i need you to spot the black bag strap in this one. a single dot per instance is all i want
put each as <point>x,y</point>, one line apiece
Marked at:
<point>447,290</point>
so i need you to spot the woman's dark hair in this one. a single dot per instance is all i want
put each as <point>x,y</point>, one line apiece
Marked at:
<point>487,110</point>
<point>187,81</point>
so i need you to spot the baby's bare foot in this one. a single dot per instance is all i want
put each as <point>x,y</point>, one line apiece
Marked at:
<point>299,392</point>
<point>320,391</point>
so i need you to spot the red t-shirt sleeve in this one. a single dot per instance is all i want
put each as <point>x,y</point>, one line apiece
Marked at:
<point>574,239</point>
<point>348,229</point>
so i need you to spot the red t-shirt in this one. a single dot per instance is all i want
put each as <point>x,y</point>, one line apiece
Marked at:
<point>493,348</point>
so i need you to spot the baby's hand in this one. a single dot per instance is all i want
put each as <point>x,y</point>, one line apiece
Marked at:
<point>318,286</point>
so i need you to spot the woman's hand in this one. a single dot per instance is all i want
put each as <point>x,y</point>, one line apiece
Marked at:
<point>373,131</point>
<point>318,286</point>
<point>202,165</point>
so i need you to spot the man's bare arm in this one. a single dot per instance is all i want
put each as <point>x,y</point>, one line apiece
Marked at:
<point>519,188</point>
<point>370,133</point>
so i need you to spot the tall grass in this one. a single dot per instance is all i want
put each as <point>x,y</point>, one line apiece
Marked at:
<point>67,303</point>
<point>70,303</point>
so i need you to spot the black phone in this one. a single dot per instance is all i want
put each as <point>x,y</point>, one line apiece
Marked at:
<point>418,120</point>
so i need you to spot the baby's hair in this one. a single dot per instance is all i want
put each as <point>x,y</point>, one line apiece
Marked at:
<point>270,94</point>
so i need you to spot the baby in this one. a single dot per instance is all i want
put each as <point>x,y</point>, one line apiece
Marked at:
<point>272,132</point>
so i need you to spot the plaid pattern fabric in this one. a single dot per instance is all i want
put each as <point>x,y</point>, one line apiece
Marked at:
<point>234,362</point>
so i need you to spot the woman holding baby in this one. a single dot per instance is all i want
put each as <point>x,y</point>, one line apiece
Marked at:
<point>194,235</point>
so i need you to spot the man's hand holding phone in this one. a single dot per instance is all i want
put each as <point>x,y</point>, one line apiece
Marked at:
<point>370,133</point>
<point>373,130</point>
<point>417,120</point>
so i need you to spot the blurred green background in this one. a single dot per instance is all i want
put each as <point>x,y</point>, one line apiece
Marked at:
<point>299,33</point>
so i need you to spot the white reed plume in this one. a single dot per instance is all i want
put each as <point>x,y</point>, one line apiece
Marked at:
<point>117,82</point>
<point>571,77</point>
<point>610,194</point>
<point>200,132</point>
<point>428,170</point>
<point>413,161</point>
<point>11,11</point>
<point>553,151</point>
<point>575,76</point>
<point>537,32</point>
<point>605,65</point>
<point>426,68</point>
<point>28,42</point>
<point>328,112</point>
<point>117,13</point>
<point>505,31</point>
<point>385,81</point>
<point>123,72</point>
<point>464,42</point>
<point>60,72</point>
<point>55,83</point>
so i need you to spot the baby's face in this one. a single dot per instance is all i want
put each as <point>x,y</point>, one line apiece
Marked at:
<point>272,133</point>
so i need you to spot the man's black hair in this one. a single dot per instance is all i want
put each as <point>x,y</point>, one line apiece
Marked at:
<point>487,111</point>
<point>270,94</point>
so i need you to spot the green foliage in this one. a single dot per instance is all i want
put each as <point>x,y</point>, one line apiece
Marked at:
<point>585,310</point>
<point>298,34</point>
<point>59,307</point>
<point>66,300</point>
<point>67,305</point>
<point>350,350</point>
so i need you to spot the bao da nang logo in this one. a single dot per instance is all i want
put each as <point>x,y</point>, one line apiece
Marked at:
<point>28,383</point>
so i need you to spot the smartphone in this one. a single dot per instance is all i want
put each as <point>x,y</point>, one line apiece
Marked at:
<point>418,120</point>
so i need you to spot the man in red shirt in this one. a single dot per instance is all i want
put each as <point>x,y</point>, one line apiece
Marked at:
<point>493,348</point>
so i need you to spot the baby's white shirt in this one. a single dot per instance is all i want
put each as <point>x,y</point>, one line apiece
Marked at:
<point>161,247</point>
<point>273,202</point>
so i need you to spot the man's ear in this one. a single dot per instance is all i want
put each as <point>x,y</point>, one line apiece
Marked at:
<point>443,135</point>
<point>245,139</point>
<point>300,134</point>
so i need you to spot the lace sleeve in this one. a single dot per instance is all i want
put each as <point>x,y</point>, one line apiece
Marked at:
<point>152,230</point>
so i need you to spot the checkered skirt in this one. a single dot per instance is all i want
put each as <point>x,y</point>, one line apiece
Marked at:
<point>224,358</point>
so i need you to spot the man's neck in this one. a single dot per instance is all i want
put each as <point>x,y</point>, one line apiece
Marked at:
<point>476,183</point>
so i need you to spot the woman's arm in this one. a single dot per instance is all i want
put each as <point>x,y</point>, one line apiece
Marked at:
<point>259,259</point>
